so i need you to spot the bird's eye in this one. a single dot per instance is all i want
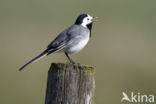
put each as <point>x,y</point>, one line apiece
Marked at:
<point>87,18</point>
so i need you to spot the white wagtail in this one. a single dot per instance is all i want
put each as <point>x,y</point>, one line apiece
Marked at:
<point>71,40</point>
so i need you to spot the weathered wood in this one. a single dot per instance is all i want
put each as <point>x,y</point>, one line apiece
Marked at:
<point>70,84</point>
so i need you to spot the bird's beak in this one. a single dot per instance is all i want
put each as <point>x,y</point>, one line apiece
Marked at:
<point>95,19</point>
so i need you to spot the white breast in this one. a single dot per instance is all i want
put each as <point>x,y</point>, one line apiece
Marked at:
<point>79,46</point>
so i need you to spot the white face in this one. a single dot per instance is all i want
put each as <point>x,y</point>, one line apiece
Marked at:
<point>87,20</point>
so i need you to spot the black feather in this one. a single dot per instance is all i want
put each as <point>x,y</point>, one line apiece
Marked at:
<point>33,60</point>
<point>90,27</point>
<point>79,20</point>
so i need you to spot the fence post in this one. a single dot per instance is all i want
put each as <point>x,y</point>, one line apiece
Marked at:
<point>70,84</point>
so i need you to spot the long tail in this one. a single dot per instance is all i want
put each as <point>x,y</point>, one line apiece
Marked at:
<point>43,54</point>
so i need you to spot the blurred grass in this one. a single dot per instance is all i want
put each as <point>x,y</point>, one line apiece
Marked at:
<point>122,47</point>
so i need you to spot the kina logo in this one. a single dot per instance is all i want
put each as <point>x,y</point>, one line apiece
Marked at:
<point>137,97</point>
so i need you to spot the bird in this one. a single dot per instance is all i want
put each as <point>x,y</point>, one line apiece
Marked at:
<point>71,40</point>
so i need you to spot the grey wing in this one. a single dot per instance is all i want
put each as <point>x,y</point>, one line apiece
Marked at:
<point>64,39</point>
<point>58,43</point>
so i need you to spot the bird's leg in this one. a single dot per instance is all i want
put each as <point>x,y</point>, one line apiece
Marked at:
<point>71,61</point>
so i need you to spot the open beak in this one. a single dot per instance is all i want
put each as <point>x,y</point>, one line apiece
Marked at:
<point>95,19</point>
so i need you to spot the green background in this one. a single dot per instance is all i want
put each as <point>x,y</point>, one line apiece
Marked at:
<point>122,47</point>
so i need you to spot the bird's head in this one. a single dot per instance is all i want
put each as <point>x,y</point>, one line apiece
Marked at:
<point>85,20</point>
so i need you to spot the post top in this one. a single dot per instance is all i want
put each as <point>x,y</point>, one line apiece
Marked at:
<point>77,66</point>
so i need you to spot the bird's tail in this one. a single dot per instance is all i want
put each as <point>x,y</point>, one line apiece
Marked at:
<point>43,54</point>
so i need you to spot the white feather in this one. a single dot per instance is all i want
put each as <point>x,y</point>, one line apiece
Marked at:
<point>78,47</point>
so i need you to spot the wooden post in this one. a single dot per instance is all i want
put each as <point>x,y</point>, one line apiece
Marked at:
<point>70,84</point>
